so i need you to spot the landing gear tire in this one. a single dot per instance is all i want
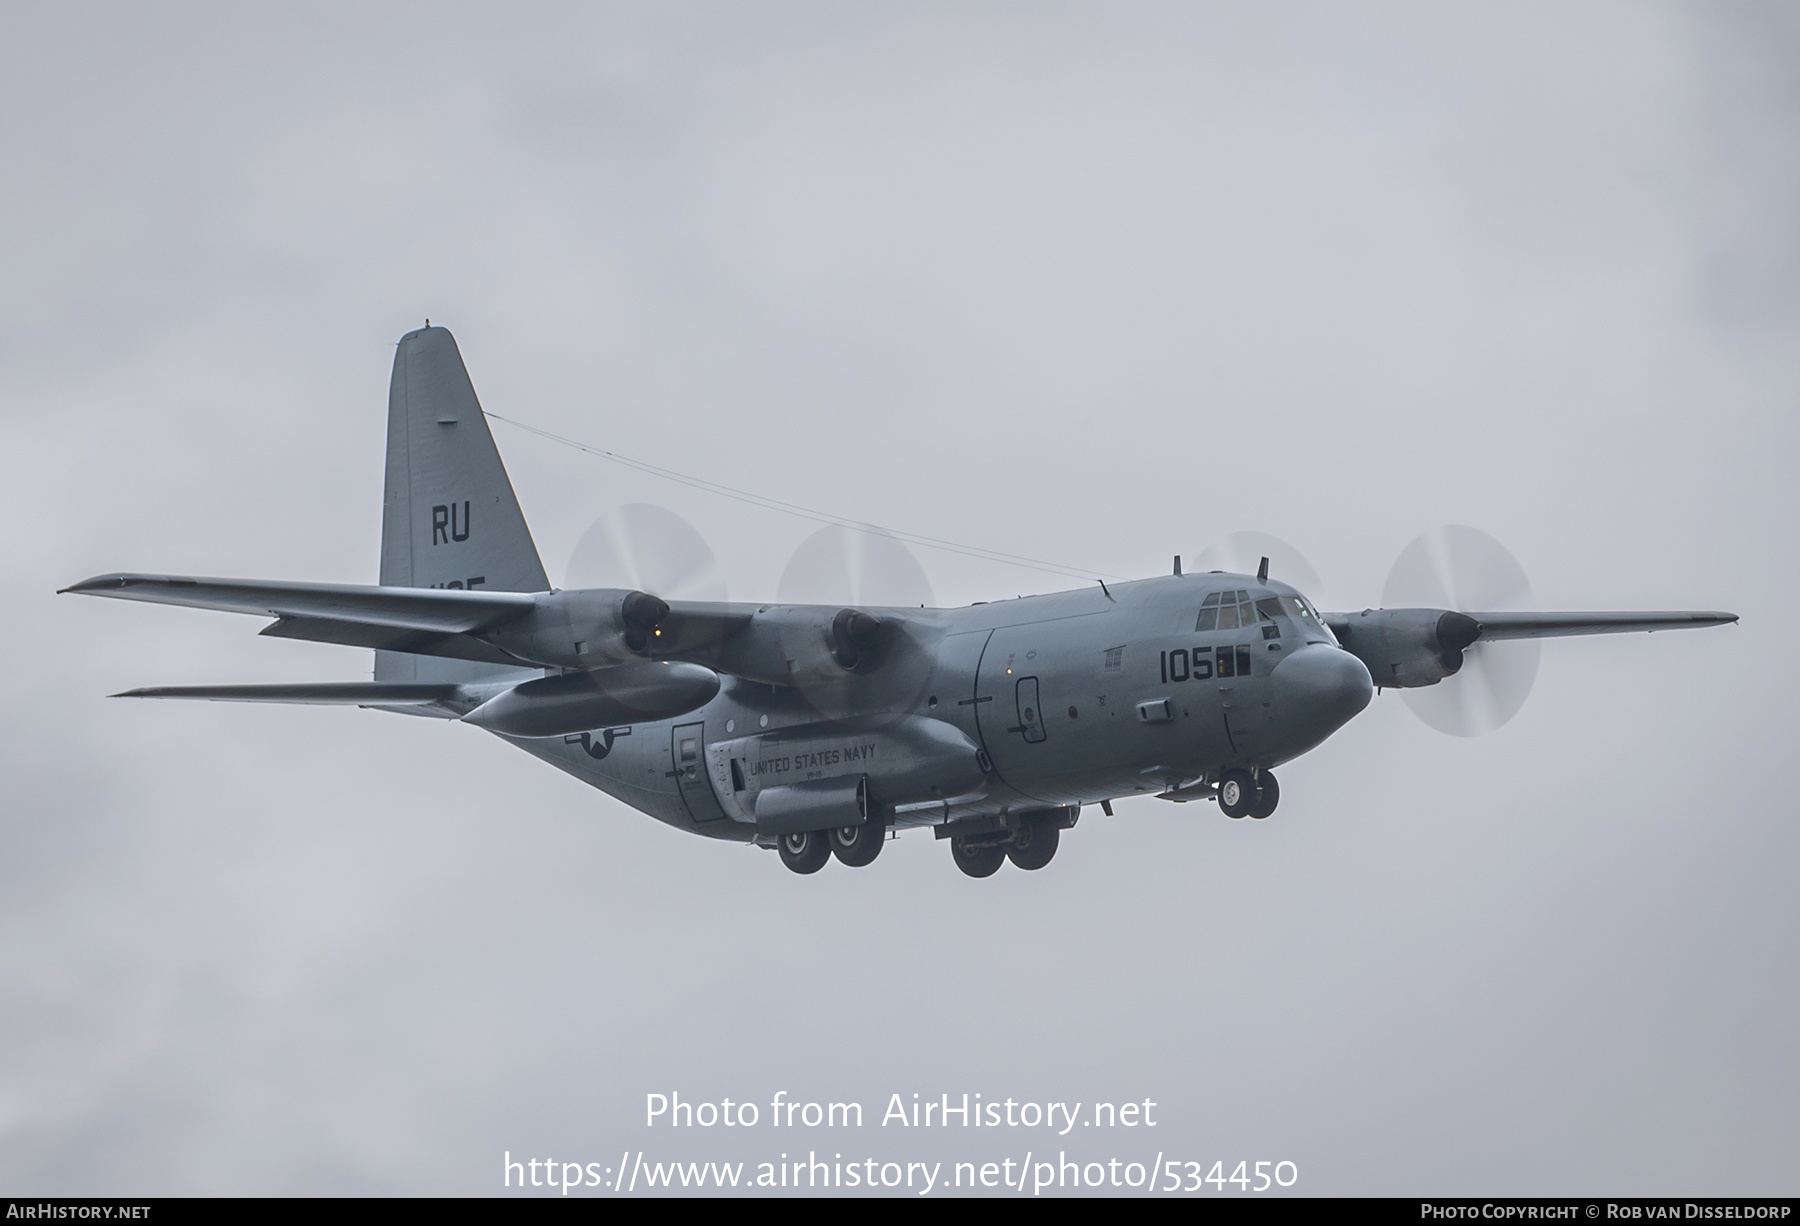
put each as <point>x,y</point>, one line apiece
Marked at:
<point>805,851</point>
<point>1268,794</point>
<point>1034,843</point>
<point>857,845</point>
<point>1237,793</point>
<point>977,861</point>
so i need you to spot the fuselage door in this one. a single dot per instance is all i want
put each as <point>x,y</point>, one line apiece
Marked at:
<point>1031,716</point>
<point>687,746</point>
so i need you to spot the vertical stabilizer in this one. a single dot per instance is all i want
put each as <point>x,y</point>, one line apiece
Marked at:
<point>449,518</point>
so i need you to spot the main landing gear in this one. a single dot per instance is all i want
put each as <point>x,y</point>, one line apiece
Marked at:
<point>804,851</point>
<point>977,855</point>
<point>1242,794</point>
<point>807,850</point>
<point>857,845</point>
<point>1034,843</point>
<point>1029,840</point>
<point>1030,845</point>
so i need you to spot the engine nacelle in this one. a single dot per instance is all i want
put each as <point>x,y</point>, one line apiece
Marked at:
<point>802,645</point>
<point>1407,648</point>
<point>583,629</point>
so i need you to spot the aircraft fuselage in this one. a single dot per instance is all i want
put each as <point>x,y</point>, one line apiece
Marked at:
<point>1040,702</point>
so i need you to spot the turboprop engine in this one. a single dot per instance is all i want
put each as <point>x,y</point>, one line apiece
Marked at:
<point>802,646</point>
<point>576,702</point>
<point>1407,648</point>
<point>584,629</point>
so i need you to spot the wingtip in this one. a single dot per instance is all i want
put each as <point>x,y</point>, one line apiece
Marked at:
<point>95,583</point>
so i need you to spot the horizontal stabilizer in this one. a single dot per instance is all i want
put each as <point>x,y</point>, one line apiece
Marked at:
<point>349,693</point>
<point>387,638</point>
<point>1558,625</point>
<point>439,610</point>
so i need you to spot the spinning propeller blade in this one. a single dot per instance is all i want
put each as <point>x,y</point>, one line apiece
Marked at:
<point>648,548</point>
<point>1460,568</point>
<point>862,569</point>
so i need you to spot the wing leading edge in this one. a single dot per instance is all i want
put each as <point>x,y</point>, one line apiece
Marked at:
<point>431,610</point>
<point>1560,625</point>
<point>582,630</point>
<point>1488,627</point>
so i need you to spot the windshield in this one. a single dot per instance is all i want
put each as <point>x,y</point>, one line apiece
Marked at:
<point>1234,610</point>
<point>1296,607</point>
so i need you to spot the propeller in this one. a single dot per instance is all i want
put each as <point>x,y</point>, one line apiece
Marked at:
<point>1242,552</point>
<point>648,548</point>
<point>841,566</point>
<point>1461,568</point>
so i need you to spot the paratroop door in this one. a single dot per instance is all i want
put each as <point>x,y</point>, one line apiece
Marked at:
<point>688,747</point>
<point>1031,716</point>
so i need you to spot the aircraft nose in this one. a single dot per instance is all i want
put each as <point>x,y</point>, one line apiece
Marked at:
<point>1319,689</point>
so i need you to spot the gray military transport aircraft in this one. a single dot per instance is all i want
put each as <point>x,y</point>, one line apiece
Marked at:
<point>816,729</point>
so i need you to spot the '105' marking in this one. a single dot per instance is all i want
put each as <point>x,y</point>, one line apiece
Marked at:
<point>1202,663</point>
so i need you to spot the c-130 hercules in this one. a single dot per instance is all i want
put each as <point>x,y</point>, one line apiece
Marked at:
<point>816,729</point>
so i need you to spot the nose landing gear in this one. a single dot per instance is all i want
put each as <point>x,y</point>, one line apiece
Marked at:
<point>1268,794</point>
<point>1242,794</point>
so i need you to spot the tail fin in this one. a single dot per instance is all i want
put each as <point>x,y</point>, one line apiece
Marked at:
<point>450,518</point>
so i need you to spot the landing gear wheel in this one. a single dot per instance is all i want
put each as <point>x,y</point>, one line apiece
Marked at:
<point>857,845</point>
<point>805,851</point>
<point>1237,793</point>
<point>1034,843</point>
<point>977,861</point>
<point>1268,794</point>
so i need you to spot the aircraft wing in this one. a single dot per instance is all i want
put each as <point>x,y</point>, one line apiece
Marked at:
<point>588,629</point>
<point>1559,625</point>
<point>429,610</point>
<point>697,627</point>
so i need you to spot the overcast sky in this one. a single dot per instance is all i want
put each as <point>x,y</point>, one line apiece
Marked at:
<point>1096,283</point>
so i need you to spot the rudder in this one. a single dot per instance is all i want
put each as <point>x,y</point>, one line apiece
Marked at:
<point>449,517</point>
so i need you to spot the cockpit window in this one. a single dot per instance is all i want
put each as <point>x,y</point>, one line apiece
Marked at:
<point>1225,611</point>
<point>1209,614</point>
<point>1298,608</point>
